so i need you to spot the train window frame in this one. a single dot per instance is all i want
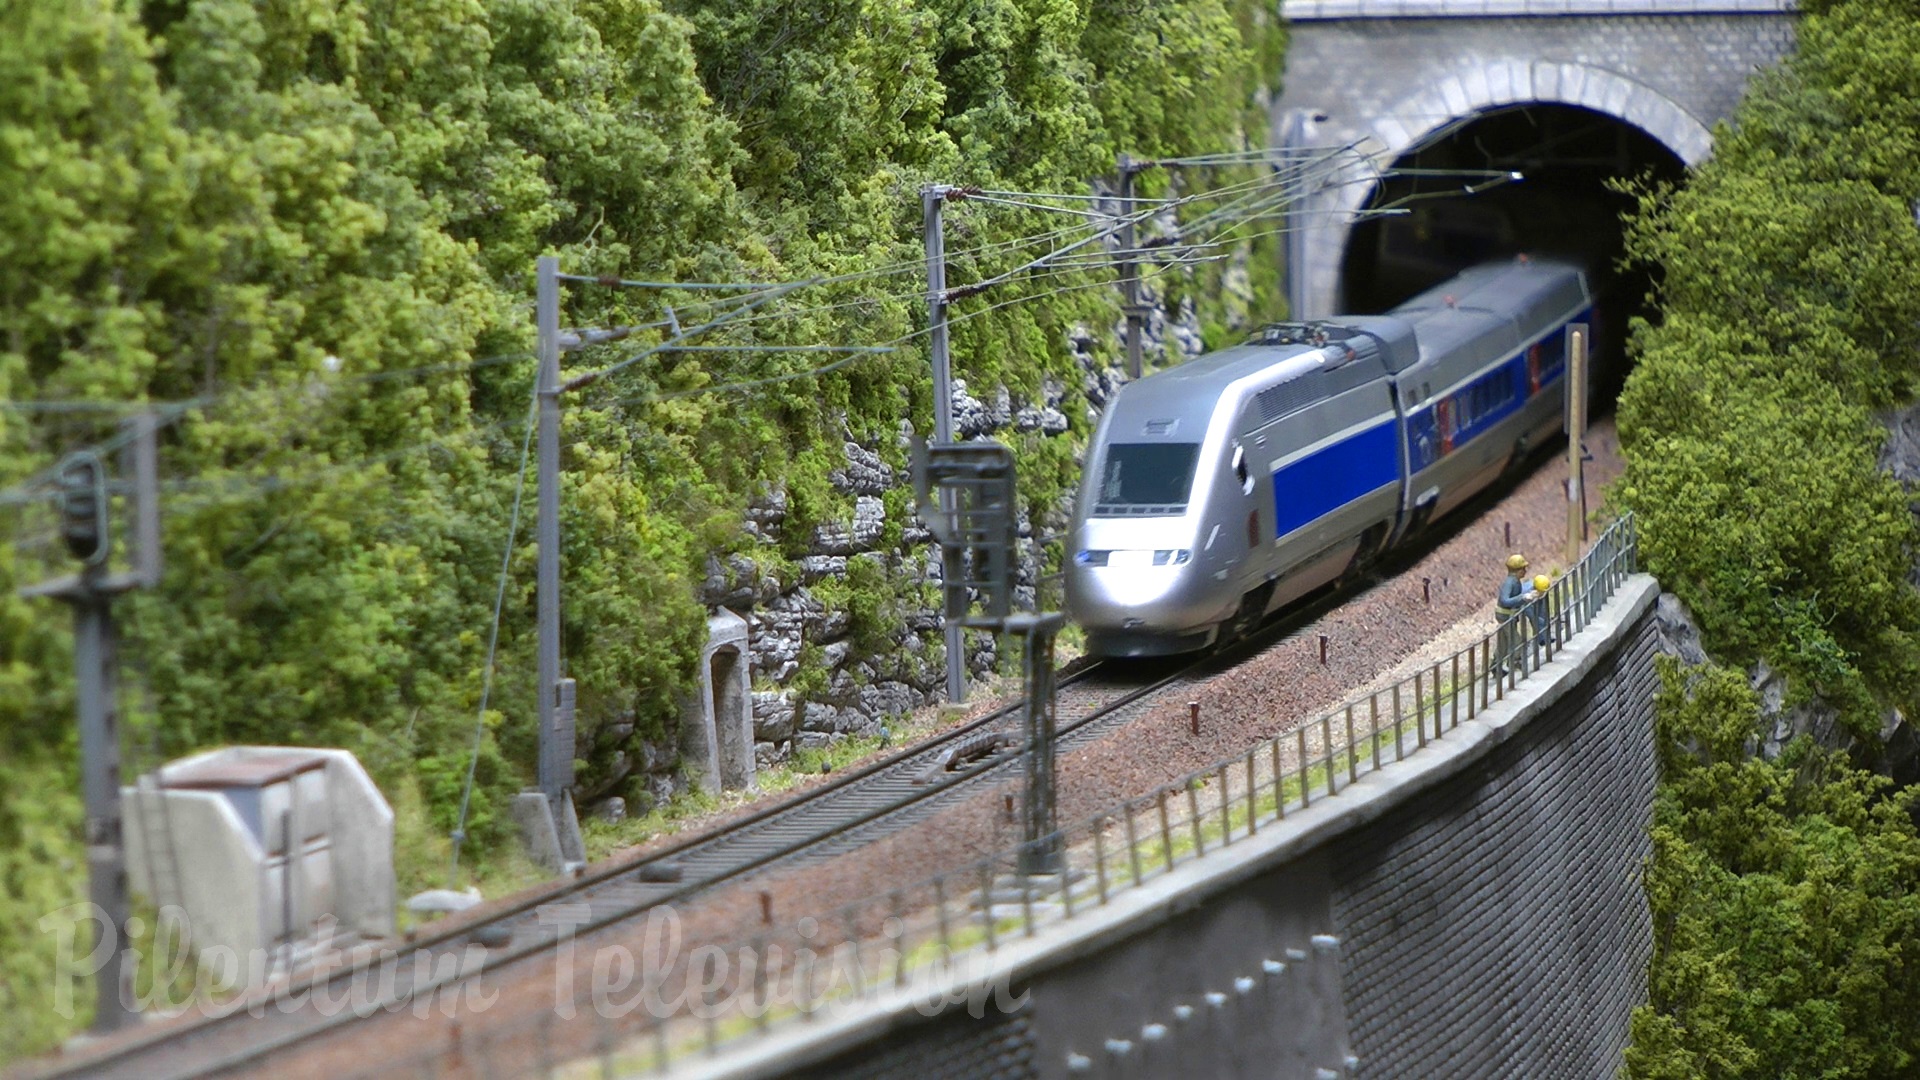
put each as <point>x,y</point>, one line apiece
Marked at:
<point>1241,471</point>
<point>1177,463</point>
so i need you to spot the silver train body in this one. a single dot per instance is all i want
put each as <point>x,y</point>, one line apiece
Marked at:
<point>1223,489</point>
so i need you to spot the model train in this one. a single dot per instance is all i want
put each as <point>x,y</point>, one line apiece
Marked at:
<point>1223,489</point>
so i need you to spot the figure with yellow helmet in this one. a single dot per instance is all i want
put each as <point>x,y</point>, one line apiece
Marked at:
<point>1519,596</point>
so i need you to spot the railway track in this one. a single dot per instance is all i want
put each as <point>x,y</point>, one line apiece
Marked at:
<point>848,812</point>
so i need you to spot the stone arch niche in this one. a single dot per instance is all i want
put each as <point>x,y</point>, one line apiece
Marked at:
<point>1330,204</point>
<point>716,720</point>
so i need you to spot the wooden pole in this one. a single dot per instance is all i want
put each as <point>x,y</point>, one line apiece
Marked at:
<point>1576,433</point>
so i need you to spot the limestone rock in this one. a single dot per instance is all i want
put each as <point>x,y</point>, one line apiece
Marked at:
<point>767,754</point>
<point>888,699</point>
<point>1100,385</point>
<point>736,583</point>
<point>865,473</point>
<point>1046,419</point>
<point>973,417</point>
<point>821,717</point>
<point>772,715</point>
<point>835,538</point>
<point>815,567</point>
<point>835,653</point>
<point>1677,633</point>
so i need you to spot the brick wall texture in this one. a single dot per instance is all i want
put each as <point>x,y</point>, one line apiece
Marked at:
<point>1699,62</point>
<point>1492,925</point>
<point>953,1046</point>
<point>1385,85</point>
<point>1495,925</point>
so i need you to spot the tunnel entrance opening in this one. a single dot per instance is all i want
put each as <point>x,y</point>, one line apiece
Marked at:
<point>1561,208</point>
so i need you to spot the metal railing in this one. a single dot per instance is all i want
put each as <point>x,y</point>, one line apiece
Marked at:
<point>630,1017</point>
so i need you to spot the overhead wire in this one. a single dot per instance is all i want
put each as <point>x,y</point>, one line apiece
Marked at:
<point>459,834</point>
<point>1250,200</point>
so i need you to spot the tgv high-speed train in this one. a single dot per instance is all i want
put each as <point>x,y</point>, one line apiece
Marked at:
<point>1220,490</point>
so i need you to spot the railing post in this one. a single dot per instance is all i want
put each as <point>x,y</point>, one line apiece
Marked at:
<point>1419,715</point>
<point>1486,671</point>
<point>1193,814</point>
<point>1306,777</point>
<point>1473,680</point>
<point>1453,695</point>
<point>986,903</point>
<point>940,907</point>
<point>1279,786</point>
<point>1226,806</point>
<point>711,1019</point>
<point>899,938</point>
<point>1100,856</point>
<point>1373,727</point>
<point>1435,683</point>
<point>1026,902</point>
<point>1353,757</point>
<point>1066,876</point>
<point>1166,831</point>
<point>1565,615</point>
<point>1133,845</point>
<point>1399,752</point>
<point>1253,797</point>
<point>803,973</point>
<point>1326,749</point>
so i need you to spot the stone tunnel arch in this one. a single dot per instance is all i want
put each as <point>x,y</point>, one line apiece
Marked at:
<point>1445,105</point>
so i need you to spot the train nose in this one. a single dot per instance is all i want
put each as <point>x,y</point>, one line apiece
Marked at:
<point>1114,587</point>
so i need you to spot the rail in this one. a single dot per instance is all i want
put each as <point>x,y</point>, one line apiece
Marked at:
<point>919,937</point>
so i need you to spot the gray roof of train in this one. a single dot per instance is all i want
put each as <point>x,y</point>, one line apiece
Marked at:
<point>1490,309</point>
<point>1187,394</point>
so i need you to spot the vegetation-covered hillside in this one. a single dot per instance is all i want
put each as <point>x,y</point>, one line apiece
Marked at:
<point>1785,888</point>
<point>310,225</point>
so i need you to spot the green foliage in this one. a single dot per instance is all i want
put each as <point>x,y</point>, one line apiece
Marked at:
<point>316,220</point>
<point>1785,893</point>
<point>1785,898</point>
<point>1791,286</point>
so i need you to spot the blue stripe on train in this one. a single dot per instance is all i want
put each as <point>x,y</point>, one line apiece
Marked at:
<point>1327,479</point>
<point>1499,393</point>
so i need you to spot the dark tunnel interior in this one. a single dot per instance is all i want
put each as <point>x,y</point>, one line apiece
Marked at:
<point>1561,208</point>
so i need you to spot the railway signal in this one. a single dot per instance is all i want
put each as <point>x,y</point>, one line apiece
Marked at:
<point>83,507</point>
<point>86,530</point>
<point>965,494</point>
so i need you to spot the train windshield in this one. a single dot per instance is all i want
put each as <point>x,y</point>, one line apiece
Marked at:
<point>1147,474</point>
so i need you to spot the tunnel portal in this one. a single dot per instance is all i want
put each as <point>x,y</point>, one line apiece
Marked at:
<point>1567,203</point>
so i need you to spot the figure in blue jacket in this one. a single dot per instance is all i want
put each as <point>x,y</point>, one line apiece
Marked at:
<point>1516,598</point>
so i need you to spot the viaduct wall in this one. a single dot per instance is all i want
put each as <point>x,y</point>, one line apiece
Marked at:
<point>1474,911</point>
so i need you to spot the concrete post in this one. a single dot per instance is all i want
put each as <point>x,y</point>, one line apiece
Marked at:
<point>556,746</point>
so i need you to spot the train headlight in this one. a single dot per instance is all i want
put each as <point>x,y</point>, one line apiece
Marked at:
<point>1131,558</point>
